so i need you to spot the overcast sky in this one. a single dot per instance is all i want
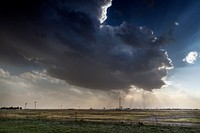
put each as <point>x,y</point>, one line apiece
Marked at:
<point>87,54</point>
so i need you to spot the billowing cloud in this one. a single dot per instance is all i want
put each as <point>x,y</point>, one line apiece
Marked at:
<point>103,16</point>
<point>69,40</point>
<point>191,57</point>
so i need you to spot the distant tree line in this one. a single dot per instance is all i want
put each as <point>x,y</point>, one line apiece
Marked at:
<point>12,108</point>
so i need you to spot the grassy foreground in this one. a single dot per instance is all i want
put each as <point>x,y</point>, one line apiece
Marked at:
<point>99,121</point>
<point>56,126</point>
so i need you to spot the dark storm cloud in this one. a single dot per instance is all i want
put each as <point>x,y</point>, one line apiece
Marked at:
<point>66,37</point>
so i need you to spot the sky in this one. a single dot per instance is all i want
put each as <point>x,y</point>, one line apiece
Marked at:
<point>88,54</point>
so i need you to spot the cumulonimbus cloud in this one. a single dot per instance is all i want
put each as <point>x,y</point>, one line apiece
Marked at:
<point>69,39</point>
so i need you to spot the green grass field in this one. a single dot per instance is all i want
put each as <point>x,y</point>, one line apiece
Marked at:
<point>102,121</point>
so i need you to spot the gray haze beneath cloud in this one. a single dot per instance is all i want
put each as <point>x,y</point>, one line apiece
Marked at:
<point>68,40</point>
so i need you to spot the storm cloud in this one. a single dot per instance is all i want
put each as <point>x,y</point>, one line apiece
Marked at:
<point>70,41</point>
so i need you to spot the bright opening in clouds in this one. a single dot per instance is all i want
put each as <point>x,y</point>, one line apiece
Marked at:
<point>191,57</point>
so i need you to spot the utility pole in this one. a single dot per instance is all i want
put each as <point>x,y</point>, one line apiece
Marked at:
<point>35,104</point>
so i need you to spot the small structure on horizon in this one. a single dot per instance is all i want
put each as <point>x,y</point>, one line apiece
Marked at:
<point>25,105</point>
<point>120,103</point>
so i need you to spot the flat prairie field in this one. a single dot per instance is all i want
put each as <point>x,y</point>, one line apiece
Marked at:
<point>100,121</point>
